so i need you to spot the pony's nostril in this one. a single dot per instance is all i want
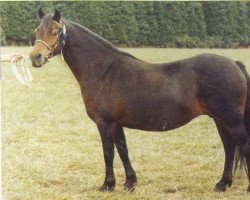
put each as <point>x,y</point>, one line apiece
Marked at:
<point>38,56</point>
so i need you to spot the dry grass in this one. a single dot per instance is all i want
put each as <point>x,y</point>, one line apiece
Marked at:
<point>52,150</point>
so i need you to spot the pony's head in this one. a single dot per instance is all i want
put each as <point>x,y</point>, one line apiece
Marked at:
<point>48,38</point>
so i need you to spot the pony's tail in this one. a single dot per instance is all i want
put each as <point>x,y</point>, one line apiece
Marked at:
<point>239,157</point>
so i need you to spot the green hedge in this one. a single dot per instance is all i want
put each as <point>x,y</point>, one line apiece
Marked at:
<point>159,24</point>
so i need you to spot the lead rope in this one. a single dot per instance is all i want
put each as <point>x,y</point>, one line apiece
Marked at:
<point>25,77</point>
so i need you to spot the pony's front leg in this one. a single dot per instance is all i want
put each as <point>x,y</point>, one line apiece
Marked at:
<point>121,146</point>
<point>107,136</point>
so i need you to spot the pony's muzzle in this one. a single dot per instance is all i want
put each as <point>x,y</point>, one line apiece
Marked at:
<point>37,60</point>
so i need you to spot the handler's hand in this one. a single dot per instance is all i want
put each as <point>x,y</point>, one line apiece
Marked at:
<point>16,57</point>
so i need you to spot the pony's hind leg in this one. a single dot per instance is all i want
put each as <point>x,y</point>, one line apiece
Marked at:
<point>229,148</point>
<point>239,134</point>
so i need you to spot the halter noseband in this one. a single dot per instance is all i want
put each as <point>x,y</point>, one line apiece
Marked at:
<point>62,37</point>
<point>42,42</point>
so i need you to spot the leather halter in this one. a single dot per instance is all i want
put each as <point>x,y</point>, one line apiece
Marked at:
<point>62,34</point>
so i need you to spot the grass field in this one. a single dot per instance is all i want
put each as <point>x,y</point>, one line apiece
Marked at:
<point>52,150</point>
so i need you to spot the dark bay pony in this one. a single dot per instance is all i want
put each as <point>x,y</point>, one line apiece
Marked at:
<point>121,91</point>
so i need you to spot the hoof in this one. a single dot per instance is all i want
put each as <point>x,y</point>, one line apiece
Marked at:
<point>107,187</point>
<point>130,183</point>
<point>130,186</point>
<point>221,186</point>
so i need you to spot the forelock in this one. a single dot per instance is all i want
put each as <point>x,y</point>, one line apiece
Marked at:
<point>46,22</point>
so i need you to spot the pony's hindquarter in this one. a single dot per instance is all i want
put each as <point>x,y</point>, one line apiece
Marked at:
<point>235,136</point>
<point>223,92</point>
<point>222,88</point>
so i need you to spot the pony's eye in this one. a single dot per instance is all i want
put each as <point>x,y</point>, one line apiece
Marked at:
<point>54,33</point>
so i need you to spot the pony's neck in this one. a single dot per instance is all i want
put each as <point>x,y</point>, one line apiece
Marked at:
<point>87,55</point>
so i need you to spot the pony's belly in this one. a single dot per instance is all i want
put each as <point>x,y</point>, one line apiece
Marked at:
<point>159,124</point>
<point>159,115</point>
<point>155,127</point>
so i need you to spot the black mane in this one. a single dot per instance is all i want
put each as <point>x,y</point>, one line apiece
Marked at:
<point>100,39</point>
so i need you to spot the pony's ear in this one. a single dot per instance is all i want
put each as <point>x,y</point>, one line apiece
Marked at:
<point>57,15</point>
<point>41,13</point>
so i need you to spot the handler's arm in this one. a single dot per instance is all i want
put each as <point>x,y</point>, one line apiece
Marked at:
<point>9,57</point>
